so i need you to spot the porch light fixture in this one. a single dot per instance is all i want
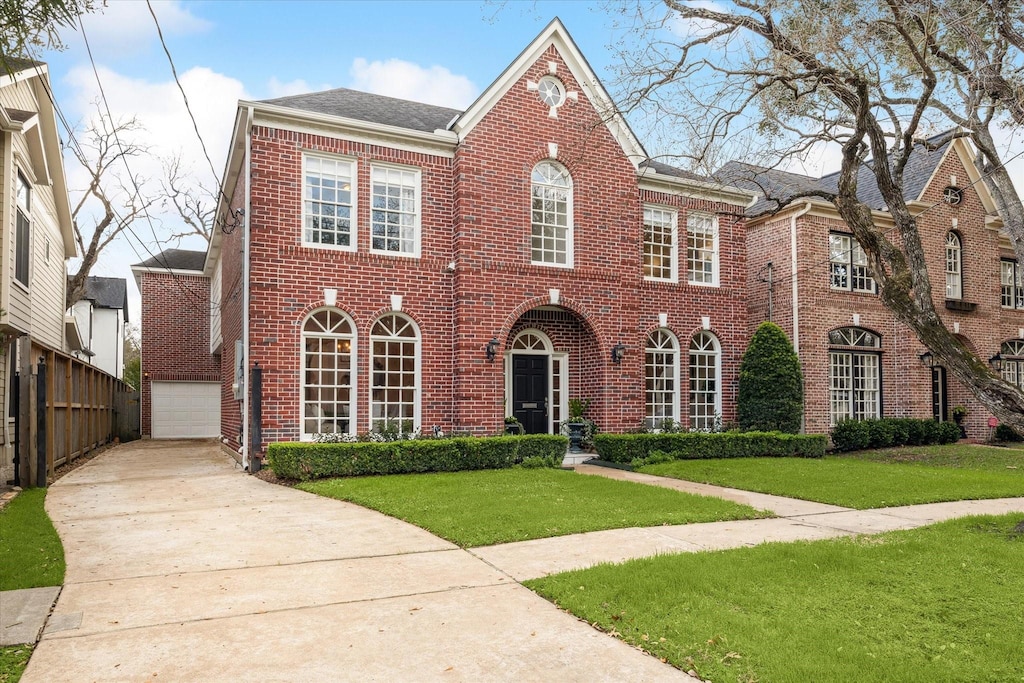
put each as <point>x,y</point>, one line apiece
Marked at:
<point>927,359</point>
<point>996,362</point>
<point>618,353</point>
<point>491,349</point>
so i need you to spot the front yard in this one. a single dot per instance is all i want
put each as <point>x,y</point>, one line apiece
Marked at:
<point>868,479</point>
<point>940,603</point>
<point>485,507</point>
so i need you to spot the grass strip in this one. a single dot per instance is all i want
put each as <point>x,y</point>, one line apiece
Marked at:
<point>501,506</point>
<point>13,661</point>
<point>940,603</point>
<point>31,553</point>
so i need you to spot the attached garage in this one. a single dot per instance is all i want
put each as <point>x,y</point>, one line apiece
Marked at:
<point>185,410</point>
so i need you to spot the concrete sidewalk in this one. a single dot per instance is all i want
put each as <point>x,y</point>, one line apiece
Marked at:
<point>181,568</point>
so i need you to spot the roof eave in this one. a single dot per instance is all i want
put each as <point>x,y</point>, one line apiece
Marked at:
<point>697,188</point>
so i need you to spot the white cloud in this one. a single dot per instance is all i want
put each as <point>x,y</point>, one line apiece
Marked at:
<point>126,26</point>
<point>277,88</point>
<point>409,81</point>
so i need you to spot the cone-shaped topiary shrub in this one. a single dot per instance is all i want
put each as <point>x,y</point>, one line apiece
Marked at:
<point>771,391</point>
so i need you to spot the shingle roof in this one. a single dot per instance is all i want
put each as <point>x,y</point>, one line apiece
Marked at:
<point>665,169</point>
<point>924,159</point>
<point>107,292</point>
<point>364,106</point>
<point>176,259</point>
<point>17,64</point>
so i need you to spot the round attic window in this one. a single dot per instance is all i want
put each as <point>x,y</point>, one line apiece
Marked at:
<point>551,91</point>
<point>952,195</point>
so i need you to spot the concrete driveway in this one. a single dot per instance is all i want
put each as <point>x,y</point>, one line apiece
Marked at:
<point>182,568</point>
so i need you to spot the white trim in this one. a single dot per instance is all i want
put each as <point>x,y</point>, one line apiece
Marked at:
<point>964,153</point>
<point>649,179</point>
<point>717,344</point>
<point>353,220</point>
<point>353,401</point>
<point>417,225</point>
<point>418,359</point>
<point>570,217</point>
<point>677,368</point>
<point>562,379</point>
<point>674,264</point>
<point>716,247</point>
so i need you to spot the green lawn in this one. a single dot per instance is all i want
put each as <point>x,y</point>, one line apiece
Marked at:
<point>868,479</point>
<point>940,603</point>
<point>13,661</point>
<point>500,506</point>
<point>31,553</point>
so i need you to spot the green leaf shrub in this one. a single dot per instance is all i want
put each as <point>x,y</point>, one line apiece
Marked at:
<point>1006,433</point>
<point>887,432</point>
<point>771,388</point>
<point>627,448</point>
<point>304,461</point>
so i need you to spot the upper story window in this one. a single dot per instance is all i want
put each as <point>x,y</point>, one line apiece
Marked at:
<point>1013,362</point>
<point>1012,288</point>
<point>848,264</point>
<point>702,249</point>
<point>551,231</point>
<point>22,237</point>
<point>659,244</point>
<point>328,204</point>
<point>954,267</point>
<point>395,212</point>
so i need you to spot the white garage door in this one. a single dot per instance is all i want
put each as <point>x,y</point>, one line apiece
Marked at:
<point>183,410</point>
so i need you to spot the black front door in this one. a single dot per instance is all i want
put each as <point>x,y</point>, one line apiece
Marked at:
<point>530,392</point>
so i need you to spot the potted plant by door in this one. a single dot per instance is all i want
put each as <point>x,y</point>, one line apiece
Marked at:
<point>959,413</point>
<point>513,426</point>
<point>577,424</point>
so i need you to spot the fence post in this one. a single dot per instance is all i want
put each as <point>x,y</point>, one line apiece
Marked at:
<point>257,417</point>
<point>41,423</point>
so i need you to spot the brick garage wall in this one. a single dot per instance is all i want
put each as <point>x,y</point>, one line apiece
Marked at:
<point>175,334</point>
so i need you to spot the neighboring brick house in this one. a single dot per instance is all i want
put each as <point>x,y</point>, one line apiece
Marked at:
<point>857,360</point>
<point>417,266</point>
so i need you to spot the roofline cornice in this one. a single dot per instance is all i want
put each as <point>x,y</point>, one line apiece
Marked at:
<point>649,179</point>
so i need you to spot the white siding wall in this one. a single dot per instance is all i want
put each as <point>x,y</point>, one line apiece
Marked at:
<point>108,340</point>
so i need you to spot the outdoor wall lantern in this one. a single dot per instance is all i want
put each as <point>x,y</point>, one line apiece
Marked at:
<point>996,362</point>
<point>491,349</point>
<point>927,359</point>
<point>618,353</point>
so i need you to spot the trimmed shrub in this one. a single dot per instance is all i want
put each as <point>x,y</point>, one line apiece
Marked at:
<point>771,389</point>
<point>1007,433</point>
<point>304,461</point>
<point>852,435</point>
<point>627,448</point>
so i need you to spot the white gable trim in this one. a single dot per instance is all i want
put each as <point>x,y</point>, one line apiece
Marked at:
<point>556,35</point>
<point>966,154</point>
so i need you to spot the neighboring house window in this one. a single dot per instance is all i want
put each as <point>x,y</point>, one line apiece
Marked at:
<point>954,267</point>
<point>659,244</point>
<point>328,386</point>
<point>1012,288</point>
<point>705,385</point>
<point>661,379</point>
<point>395,212</point>
<point>848,264</point>
<point>394,401</point>
<point>1013,362</point>
<point>22,237</point>
<point>551,215</point>
<point>328,202</point>
<point>855,375</point>
<point>702,248</point>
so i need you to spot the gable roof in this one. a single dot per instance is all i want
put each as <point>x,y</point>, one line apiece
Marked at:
<point>174,259</point>
<point>363,106</point>
<point>107,292</point>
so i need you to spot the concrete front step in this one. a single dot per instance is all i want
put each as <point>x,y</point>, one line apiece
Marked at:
<point>573,459</point>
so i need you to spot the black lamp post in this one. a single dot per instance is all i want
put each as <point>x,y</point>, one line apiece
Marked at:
<point>928,359</point>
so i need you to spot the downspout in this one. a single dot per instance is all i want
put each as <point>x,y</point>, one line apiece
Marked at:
<point>245,291</point>
<point>793,275</point>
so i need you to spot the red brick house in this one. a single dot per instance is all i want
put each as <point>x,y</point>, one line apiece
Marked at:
<point>858,362</point>
<point>393,264</point>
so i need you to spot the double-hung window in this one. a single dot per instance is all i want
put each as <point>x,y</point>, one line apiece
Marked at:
<point>954,267</point>
<point>848,264</point>
<point>659,244</point>
<point>1012,287</point>
<point>328,202</point>
<point>22,236</point>
<point>855,380</point>
<point>395,210</point>
<point>702,249</point>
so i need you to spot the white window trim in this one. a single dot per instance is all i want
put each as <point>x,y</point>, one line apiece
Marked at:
<point>719,384</point>
<point>958,275</point>
<point>354,370</point>
<point>715,249</point>
<point>854,244</point>
<point>417,225</point>
<point>570,212</point>
<point>562,378</point>
<point>1014,276</point>
<point>354,219</point>
<point>418,356</point>
<point>674,276</point>
<point>677,398</point>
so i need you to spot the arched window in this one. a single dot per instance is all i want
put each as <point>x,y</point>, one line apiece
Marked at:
<point>551,215</point>
<point>531,340</point>
<point>855,378</point>
<point>328,382</point>
<point>661,379</point>
<point>395,381</point>
<point>954,267</point>
<point>1013,361</point>
<point>705,381</point>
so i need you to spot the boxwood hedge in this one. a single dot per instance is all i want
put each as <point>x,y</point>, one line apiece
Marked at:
<point>886,432</point>
<point>625,448</point>
<point>304,461</point>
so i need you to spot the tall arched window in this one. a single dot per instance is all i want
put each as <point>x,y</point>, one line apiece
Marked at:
<point>855,376</point>
<point>551,215</point>
<point>395,374</point>
<point>954,267</point>
<point>661,379</point>
<point>705,381</point>
<point>1013,361</point>
<point>328,383</point>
